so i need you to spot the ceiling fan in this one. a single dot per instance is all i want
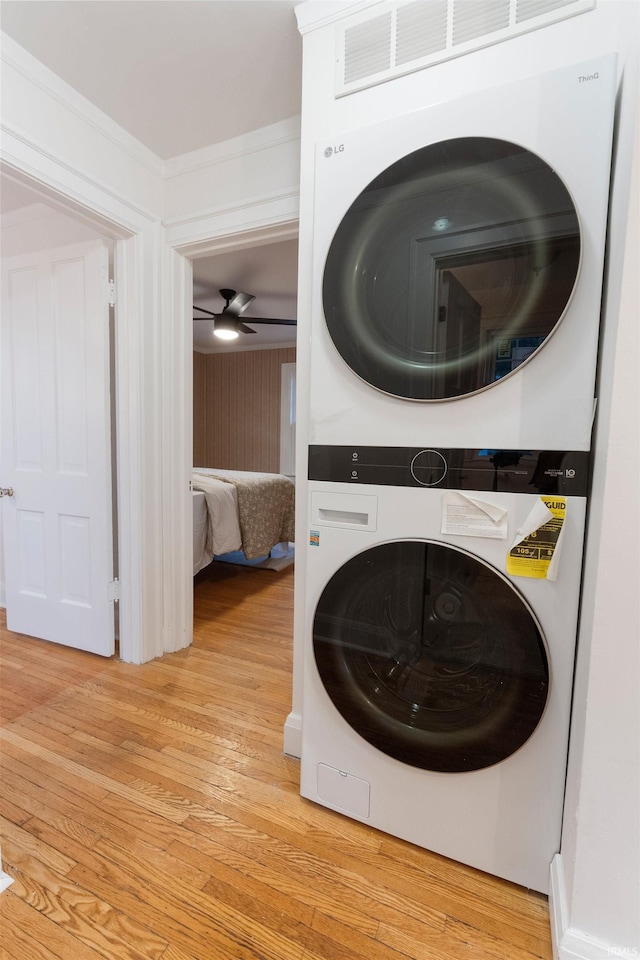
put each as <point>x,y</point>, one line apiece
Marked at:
<point>228,325</point>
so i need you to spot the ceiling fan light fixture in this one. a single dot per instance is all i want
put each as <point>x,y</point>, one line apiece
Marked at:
<point>228,325</point>
<point>225,328</point>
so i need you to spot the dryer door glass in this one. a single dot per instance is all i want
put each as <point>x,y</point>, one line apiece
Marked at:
<point>431,656</point>
<point>451,269</point>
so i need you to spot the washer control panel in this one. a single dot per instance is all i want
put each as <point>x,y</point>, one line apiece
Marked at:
<point>563,472</point>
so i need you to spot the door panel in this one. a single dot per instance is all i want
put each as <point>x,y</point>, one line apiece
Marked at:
<point>483,215</point>
<point>431,655</point>
<point>56,446</point>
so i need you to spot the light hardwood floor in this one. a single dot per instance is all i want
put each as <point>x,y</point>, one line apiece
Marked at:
<point>148,812</point>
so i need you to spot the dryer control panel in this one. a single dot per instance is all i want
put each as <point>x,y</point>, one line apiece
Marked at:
<point>563,472</point>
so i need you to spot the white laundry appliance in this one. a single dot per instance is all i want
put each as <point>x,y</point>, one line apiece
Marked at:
<point>457,268</point>
<point>442,592</point>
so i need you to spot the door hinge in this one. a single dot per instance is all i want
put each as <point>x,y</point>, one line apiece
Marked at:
<point>113,590</point>
<point>111,293</point>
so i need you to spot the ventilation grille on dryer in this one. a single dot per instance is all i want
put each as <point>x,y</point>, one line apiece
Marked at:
<point>407,35</point>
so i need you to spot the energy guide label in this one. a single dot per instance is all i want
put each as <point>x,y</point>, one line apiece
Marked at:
<point>535,549</point>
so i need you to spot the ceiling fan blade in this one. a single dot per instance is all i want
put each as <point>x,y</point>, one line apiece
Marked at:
<point>235,306</point>
<point>243,328</point>
<point>291,323</point>
<point>238,304</point>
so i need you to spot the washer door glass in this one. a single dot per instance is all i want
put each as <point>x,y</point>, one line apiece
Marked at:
<point>431,656</point>
<point>451,269</point>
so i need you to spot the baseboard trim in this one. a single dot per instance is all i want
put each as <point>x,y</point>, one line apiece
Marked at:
<point>569,943</point>
<point>557,904</point>
<point>293,736</point>
<point>5,879</point>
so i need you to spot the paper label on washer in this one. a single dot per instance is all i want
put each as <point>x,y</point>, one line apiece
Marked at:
<point>467,516</point>
<point>536,549</point>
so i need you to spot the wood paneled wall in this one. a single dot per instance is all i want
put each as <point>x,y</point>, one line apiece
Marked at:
<point>236,409</point>
<point>199,409</point>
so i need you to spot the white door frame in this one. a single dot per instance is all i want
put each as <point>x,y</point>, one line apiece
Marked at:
<point>133,236</point>
<point>208,238</point>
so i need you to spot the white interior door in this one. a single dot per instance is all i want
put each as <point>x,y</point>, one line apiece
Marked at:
<point>56,448</point>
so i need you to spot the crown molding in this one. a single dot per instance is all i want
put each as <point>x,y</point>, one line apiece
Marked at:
<point>270,137</point>
<point>256,141</point>
<point>18,59</point>
<point>320,13</point>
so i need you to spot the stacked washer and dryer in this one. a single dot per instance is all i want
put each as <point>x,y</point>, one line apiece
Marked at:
<point>458,264</point>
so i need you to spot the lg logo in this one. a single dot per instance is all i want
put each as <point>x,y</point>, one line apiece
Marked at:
<point>569,473</point>
<point>329,151</point>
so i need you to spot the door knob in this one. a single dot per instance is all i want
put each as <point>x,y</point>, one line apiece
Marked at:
<point>6,491</point>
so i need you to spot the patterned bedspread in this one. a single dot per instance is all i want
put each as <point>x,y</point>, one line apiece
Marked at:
<point>266,507</point>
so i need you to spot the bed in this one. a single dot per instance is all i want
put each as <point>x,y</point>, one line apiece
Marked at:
<point>240,515</point>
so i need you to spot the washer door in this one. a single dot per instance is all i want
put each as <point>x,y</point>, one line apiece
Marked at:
<point>451,269</point>
<point>431,656</point>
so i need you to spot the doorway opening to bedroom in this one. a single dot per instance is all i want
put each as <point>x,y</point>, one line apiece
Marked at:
<point>244,404</point>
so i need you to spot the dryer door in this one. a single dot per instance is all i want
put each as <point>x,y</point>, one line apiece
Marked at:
<point>431,656</point>
<point>451,269</point>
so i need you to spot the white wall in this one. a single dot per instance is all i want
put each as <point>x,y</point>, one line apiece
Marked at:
<point>601,835</point>
<point>600,840</point>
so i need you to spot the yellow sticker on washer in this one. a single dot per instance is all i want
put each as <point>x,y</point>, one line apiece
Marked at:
<point>536,549</point>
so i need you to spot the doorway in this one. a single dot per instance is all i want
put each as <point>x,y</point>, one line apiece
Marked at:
<point>237,381</point>
<point>68,221</point>
<point>237,425</point>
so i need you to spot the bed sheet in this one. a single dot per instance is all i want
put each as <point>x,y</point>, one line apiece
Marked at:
<point>200,520</point>
<point>266,506</point>
<point>222,522</point>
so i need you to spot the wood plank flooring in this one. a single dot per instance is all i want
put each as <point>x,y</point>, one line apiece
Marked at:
<point>149,812</point>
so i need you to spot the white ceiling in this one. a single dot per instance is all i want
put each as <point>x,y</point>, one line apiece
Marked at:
<point>180,75</point>
<point>177,74</point>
